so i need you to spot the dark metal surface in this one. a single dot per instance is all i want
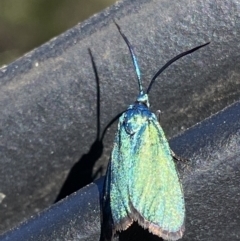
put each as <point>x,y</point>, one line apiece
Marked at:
<point>77,217</point>
<point>48,98</point>
<point>211,185</point>
<point>210,181</point>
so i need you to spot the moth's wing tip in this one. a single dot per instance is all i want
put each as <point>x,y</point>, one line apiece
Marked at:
<point>166,234</point>
<point>108,234</point>
<point>156,229</point>
<point>124,224</point>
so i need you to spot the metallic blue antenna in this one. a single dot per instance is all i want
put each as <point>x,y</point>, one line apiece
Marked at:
<point>134,59</point>
<point>135,63</point>
<point>171,61</point>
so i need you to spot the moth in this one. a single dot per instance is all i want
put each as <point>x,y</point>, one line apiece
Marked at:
<point>142,183</point>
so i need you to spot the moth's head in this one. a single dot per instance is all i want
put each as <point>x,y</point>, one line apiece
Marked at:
<point>143,98</point>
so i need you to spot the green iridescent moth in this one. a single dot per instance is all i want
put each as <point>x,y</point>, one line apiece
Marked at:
<point>142,183</point>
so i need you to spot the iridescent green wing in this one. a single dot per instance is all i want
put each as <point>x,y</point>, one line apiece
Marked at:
<point>118,176</point>
<point>156,196</point>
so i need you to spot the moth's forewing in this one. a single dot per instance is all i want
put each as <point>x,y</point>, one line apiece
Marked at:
<point>155,191</point>
<point>144,184</point>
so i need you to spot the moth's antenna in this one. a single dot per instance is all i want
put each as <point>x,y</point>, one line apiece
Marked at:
<point>171,61</point>
<point>134,59</point>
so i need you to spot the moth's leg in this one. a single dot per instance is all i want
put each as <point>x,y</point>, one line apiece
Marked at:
<point>177,158</point>
<point>158,114</point>
<point>184,162</point>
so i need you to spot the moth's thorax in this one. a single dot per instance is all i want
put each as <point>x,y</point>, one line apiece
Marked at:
<point>137,115</point>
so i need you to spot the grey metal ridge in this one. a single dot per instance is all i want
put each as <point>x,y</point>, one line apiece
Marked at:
<point>77,217</point>
<point>52,120</point>
<point>210,180</point>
